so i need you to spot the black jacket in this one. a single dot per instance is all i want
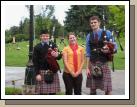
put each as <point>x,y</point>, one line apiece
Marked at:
<point>39,53</point>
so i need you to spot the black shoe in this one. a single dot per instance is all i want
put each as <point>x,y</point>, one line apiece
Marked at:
<point>93,93</point>
<point>52,93</point>
<point>41,93</point>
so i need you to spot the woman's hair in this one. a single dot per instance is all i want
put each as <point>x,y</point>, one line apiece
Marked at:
<point>94,18</point>
<point>70,33</point>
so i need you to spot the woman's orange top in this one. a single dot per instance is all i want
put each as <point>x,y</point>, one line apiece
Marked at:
<point>68,51</point>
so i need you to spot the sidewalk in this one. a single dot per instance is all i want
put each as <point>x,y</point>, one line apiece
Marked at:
<point>18,74</point>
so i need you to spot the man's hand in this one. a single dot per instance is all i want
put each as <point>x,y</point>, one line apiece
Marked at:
<point>88,72</point>
<point>105,51</point>
<point>54,54</point>
<point>38,77</point>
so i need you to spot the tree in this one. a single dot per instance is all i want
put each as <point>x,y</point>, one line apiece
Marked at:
<point>14,30</point>
<point>43,18</point>
<point>117,18</point>
<point>21,27</point>
<point>77,18</point>
<point>25,26</point>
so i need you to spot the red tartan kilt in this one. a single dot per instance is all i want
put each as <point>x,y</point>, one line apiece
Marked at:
<point>44,88</point>
<point>104,84</point>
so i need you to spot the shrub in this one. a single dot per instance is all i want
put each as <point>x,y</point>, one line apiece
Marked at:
<point>8,39</point>
<point>20,37</point>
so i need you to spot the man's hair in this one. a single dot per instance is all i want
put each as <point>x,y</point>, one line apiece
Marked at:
<point>44,32</point>
<point>94,18</point>
<point>70,33</point>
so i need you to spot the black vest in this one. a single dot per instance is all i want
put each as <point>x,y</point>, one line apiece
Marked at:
<point>96,54</point>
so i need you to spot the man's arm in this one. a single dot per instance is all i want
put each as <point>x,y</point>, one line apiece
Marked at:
<point>88,50</point>
<point>88,54</point>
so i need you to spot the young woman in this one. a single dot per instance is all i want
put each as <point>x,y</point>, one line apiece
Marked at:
<point>73,58</point>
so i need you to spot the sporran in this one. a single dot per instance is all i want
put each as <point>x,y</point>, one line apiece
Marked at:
<point>97,71</point>
<point>48,76</point>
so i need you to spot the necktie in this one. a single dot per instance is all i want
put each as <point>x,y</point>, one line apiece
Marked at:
<point>96,37</point>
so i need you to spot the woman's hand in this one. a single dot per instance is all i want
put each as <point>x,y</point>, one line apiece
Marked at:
<point>73,74</point>
<point>77,73</point>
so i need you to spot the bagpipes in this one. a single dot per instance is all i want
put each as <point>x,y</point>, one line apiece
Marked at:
<point>52,61</point>
<point>53,66</point>
<point>108,45</point>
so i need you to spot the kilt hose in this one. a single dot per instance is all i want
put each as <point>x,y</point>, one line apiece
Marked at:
<point>43,88</point>
<point>104,83</point>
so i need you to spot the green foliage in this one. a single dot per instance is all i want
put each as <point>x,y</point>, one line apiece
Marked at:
<point>25,27</point>
<point>18,38</point>
<point>8,39</point>
<point>77,19</point>
<point>13,91</point>
<point>21,37</point>
<point>14,30</point>
<point>119,60</point>
<point>60,93</point>
<point>117,17</point>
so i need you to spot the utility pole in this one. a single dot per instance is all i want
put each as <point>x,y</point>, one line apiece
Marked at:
<point>31,32</point>
<point>30,72</point>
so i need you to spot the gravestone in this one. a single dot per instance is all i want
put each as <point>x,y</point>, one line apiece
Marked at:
<point>14,40</point>
<point>18,48</point>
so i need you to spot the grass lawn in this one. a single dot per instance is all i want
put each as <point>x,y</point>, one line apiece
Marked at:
<point>15,57</point>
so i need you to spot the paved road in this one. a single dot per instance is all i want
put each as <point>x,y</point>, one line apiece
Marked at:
<point>18,73</point>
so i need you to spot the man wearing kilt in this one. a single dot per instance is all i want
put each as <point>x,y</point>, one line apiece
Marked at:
<point>97,52</point>
<point>42,66</point>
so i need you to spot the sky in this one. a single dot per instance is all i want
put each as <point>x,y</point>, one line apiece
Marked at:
<point>15,13</point>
